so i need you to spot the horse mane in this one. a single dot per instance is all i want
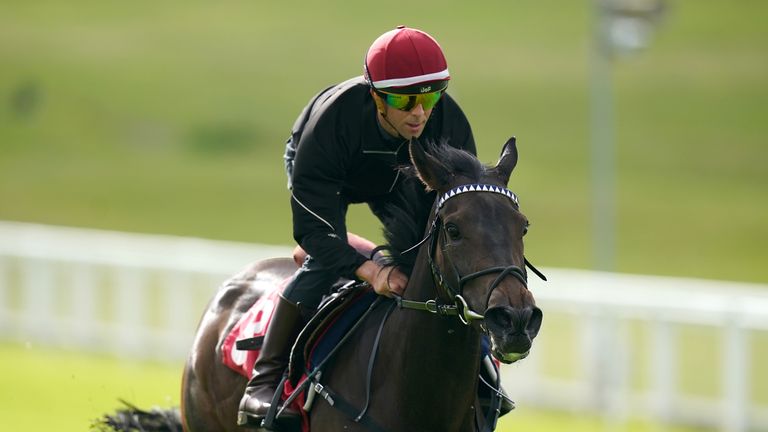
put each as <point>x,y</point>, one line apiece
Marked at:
<point>406,214</point>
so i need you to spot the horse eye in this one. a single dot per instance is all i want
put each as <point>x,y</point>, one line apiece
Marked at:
<point>453,232</point>
<point>525,228</point>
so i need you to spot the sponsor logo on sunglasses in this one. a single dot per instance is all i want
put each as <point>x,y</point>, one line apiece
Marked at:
<point>425,89</point>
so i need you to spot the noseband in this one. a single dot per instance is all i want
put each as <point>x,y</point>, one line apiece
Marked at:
<point>460,307</point>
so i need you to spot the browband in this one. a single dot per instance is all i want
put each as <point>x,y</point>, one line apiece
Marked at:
<point>476,187</point>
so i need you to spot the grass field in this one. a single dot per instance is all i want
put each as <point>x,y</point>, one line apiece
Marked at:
<point>170,117</point>
<point>92,385</point>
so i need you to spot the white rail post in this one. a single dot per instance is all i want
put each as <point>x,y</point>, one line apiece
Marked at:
<point>621,364</point>
<point>37,294</point>
<point>178,306</point>
<point>130,311</point>
<point>593,354</point>
<point>83,303</point>
<point>663,368</point>
<point>735,366</point>
<point>5,288</point>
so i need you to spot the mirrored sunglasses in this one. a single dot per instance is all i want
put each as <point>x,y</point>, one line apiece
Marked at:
<point>406,102</point>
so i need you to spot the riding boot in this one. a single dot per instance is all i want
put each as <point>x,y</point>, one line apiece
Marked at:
<point>286,324</point>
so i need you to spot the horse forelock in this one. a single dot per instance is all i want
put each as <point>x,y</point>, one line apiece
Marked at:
<point>460,163</point>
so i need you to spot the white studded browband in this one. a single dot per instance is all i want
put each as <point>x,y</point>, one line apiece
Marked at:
<point>476,188</point>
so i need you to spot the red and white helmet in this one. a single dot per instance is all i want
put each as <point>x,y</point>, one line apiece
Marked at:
<point>406,61</point>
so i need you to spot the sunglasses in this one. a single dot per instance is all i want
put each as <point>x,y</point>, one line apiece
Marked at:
<point>404,102</point>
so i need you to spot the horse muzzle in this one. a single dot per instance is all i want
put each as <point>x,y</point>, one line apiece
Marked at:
<point>511,331</point>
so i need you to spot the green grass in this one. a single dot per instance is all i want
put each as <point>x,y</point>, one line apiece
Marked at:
<point>66,391</point>
<point>46,389</point>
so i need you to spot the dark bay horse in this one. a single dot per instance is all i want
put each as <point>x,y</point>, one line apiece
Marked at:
<point>468,282</point>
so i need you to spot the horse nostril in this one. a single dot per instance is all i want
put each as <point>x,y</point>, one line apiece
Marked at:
<point>508,321</point>
<point>534,322</point>
<point>499,319</point>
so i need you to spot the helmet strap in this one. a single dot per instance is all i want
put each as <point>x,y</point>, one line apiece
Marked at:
<point>380,104</point>
<point>382,110</point>
<point>384,116</point>
<point>392,126</point>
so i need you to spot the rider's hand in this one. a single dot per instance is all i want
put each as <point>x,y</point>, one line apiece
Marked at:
<point>390,280</point>
<point>385,281</point>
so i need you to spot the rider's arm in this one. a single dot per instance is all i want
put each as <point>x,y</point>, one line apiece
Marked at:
<point>321,165</point>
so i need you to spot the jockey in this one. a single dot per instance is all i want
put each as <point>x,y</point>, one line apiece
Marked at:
<point>346,147</point>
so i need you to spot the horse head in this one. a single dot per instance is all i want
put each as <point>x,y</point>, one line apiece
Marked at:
<point>476,250</point>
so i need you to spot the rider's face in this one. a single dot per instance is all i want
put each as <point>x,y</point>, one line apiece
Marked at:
<point>409,124</point>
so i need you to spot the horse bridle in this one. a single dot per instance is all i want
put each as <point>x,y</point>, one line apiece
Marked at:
<point>460,307</point>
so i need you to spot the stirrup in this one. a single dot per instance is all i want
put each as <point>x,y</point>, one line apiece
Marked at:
<point>282,424</point>
<point>270,420</point>
<point>243,419</point>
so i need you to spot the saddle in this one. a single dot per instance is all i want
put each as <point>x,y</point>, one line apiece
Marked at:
<point>328,326</point>
<point>242,345</point>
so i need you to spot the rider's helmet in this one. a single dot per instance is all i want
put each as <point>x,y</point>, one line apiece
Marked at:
<point>406,61</point>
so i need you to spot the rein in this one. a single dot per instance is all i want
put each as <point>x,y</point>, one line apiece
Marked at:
<point>460,307</point>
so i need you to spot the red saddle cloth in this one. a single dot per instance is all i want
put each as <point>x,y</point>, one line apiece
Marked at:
<point>254,323</point>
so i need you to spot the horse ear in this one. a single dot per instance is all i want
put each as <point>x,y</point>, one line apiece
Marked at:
<point>429,169</point>
<point>507,161</point>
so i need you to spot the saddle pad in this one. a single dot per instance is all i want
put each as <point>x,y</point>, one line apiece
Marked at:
<point>329,310</point>
<point>253,323</point>
<point>327,337</point>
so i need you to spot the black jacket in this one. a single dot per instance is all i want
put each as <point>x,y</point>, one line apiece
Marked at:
<point>338,154</point>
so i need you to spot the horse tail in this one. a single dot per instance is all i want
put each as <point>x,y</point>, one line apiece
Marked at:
<point>132,418</point>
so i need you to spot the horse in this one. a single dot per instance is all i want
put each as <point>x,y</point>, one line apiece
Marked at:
<point>413,363</point>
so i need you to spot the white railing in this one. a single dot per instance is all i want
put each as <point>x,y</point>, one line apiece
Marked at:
<point>141,296</point>
<point>131,294</point>
<point>625,326</point>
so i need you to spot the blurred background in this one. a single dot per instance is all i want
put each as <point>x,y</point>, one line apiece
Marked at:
<point>141,163</point>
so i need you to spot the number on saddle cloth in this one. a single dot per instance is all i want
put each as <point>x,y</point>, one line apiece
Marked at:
<point>242,345</point>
